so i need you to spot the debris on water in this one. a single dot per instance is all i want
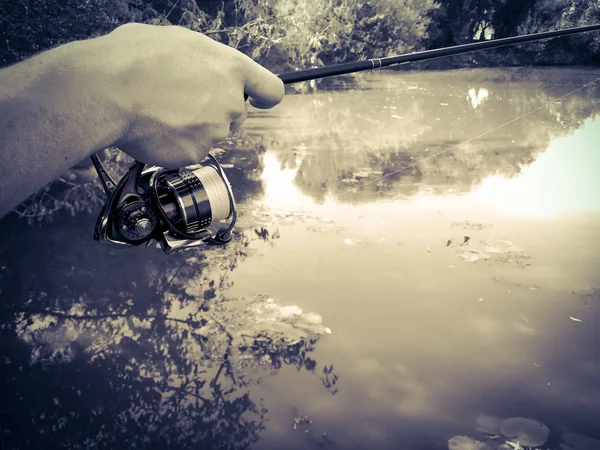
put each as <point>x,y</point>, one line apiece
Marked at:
<point>444,104</point>
<point>263,233</point>
<point>428,251</point>
<point>499,251</point>
<point>448,243</point>
<point>574,319</point>
<point>537,365</point>
<point>473,255</point>
<point>480,300</point>
<point>301,420</point>
<point>466,443</point>
<point>362,241</point>
<point>535,287</point>
<point>467,225</point>
<point>397,117</point>
<point>466,239</point>
<point>362,172</point>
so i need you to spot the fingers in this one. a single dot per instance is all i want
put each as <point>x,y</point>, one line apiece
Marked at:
<point>264,87</point>
<point>238,121</point>
<point>86,163</point>
<point>81,176</point>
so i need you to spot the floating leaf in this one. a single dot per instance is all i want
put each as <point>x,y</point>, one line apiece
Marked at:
<point>525,431</point>
<point>574,319</point>
<point>489,424</point>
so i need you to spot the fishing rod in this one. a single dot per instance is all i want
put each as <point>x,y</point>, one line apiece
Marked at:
<point>376,63</point>
<point>176,207</point>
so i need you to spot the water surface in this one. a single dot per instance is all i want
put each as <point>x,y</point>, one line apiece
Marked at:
<point>416,268</point>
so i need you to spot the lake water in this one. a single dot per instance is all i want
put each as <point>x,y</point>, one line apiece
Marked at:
<point>416,267</point>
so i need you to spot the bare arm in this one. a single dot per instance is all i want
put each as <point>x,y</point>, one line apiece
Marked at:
<point>49,121</point>
<point>164,95</point>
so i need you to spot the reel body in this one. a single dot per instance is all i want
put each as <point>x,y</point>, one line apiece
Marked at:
<point>173,207</point>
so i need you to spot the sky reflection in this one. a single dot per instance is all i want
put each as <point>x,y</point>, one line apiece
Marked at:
<point>563,179</point>
<point>424,311</point>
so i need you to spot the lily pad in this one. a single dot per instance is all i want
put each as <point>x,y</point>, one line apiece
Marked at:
<point>489,424</point>
<point>526,431</point>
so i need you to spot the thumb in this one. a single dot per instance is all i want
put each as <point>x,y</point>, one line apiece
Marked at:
<point>263,86</point>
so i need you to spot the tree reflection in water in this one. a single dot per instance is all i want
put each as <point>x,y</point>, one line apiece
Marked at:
<point>134,349</point>
<point>335,143</point>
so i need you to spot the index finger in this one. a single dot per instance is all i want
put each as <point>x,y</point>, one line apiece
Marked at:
<point>263,86</point>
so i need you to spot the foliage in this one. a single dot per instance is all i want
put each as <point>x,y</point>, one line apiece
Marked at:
<point>459,21</point>
<point>37,25</point>
<point>557,14</point>
<point>317,32</point>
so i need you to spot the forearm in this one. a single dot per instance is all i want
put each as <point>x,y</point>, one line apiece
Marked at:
<point>54,112</point>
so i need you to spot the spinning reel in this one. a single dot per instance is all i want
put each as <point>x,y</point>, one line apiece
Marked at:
<point>174,207</point>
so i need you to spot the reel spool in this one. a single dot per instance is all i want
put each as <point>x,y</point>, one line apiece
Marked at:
<point>174,207</point>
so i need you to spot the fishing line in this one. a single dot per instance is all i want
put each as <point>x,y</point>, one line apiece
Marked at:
<point>465,142</point>
<point>216,192</point>
<point>462,143</point>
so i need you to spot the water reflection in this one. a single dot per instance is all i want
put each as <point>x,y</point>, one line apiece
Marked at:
<point>454,288</point>
<point>563,179</point>
<point>456,318</point>
<point>334,142</point>
<point>109,349</point>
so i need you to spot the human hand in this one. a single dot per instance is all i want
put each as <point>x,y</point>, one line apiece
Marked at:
<point>84,171</point>
<point>176,92</point>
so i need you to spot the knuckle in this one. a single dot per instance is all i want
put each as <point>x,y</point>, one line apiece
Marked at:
<point>128,27</point>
